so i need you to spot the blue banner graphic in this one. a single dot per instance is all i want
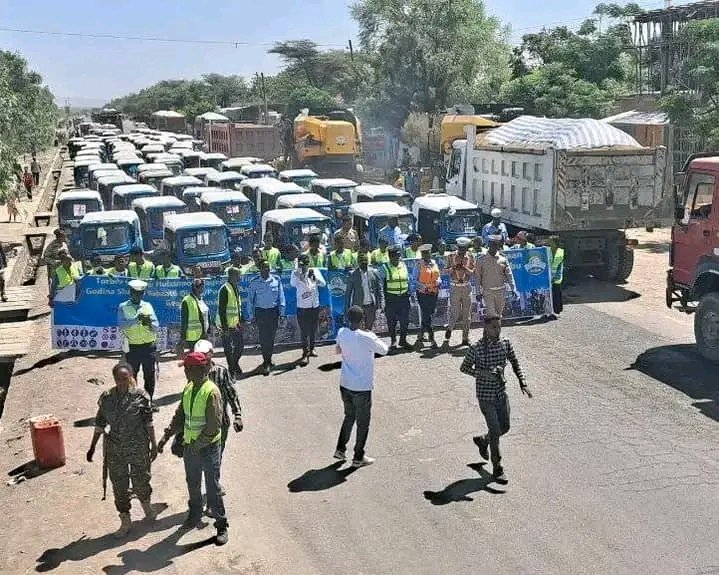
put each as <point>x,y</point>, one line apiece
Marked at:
<point>85,317</point>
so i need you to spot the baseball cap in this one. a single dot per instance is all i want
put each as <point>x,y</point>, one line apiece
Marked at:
<point>194,359</point>
<point>203,346</point>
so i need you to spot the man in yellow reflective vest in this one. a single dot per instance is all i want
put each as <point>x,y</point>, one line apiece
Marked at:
<point>396,289</point>
<point>557,274</point>
<point>199,418</point>
<point>270,253</point>
<point>139,267</point>
<point>341,258</point>
<point>380,256</point>
<point>166,269</point>
<point>229,319</point>
<point>194,316</point>
<point>314,253</point>
<point>137,320</point>
<point>412,252</point>
<point>68,273</point>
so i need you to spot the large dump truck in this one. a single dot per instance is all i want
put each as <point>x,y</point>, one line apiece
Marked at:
<point>580,179</point>
<point>330,145</point>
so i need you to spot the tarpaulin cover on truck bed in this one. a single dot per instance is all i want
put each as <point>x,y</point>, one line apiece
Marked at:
<point>562,134</point>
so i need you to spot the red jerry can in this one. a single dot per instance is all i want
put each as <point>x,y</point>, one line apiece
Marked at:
<point>47,442</point>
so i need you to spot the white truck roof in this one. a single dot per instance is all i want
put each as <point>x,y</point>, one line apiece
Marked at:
<point>291,214</point>
<point>179,221</point>
<point>302,201</point>
<point>79,195</point>
<point>374,190</point>
<point>198,172</point>
<point>109,217</point>
<point>371,209</point>
<point>158,202</point>
<point>182,181</point>
<point>303,173</point>
<point>439,202</point>
<point>130,188</point>
<point>223,176</point>
<point>334,182</point>
<point>218,195</point>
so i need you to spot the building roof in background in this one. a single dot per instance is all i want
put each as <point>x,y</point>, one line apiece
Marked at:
<point>639,118</point>
<point>167,114</point>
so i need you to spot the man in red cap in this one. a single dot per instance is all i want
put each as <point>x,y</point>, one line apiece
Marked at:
<point>199,418</point>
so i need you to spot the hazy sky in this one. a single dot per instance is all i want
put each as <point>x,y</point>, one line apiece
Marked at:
<point>90,71</point>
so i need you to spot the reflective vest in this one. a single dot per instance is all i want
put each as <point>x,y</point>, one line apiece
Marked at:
<point>194,405</point>
<point>161,273</point>
<point>341,261</point>
<point>397,279</point>
<point>144,273</point>
<point>272,256</point>
<point>428,276</point>
<point>558,266</point>
<point>380,257</point>
<point>316,261</point>
<point>65,277</point>
<point>194,323</point>
<point>232,311</point>
<point>410,254</point>
<point>114,273</point>
<point>137,334</point>
<point>284,264</point>
<point>249,269</point>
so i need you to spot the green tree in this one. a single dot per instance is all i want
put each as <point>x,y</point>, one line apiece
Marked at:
<point>423,53</point>
<point>317,101</point>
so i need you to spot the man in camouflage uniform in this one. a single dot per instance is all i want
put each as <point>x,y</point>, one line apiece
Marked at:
<point>129,447</point>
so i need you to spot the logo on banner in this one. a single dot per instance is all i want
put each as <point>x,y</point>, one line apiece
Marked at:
<point>535,265</point>
<point>337,286</point>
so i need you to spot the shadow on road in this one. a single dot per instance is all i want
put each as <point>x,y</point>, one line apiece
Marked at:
<point>590,290</point>
<point>460,490</point>
<point>83,548</point>
<point>681,367</point>
<point>321,479</point>
<point>26,471</point>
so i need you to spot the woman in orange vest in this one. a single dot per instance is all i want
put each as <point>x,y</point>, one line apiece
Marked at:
<point>428,282</point>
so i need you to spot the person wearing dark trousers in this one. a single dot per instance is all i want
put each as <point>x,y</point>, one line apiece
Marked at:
<point>194,317</point>
<point>35,168</point>
<point>397,298</point>
<point>428,281</point>
<point>557,255</point>
<point>357,348</point>
<point>485,361</point>
<point>229,320</point>
<point>307,282</point>
<point>137,319</point>
<point>364,289</point>
<point>266,305</point>
<point>199,418</point>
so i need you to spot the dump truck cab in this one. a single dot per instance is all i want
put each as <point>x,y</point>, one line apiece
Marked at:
<point>212,160</point>
<point>154,178</point>
<point>337,190</point>
<point>270,190</point>
<point>313,201</point>
<point>151,212</point>
<point>107,184</point>
<point>440,216</point>
<point>197,239</point>
<point>191,197</point>
<point>236,210</point>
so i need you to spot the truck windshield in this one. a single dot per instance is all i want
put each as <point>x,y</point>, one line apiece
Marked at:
<point>257,175</point>
<point>232,213</point>
<point>461,223</point>
<point>404,201</point>
<point>406,223</point>
<point>304,182</point>
<point>103,236</point>
<point>157,218</point>
<point>340,195</point>
<point>198,243</point>
<point>76,210</point>
<point>299,232</point>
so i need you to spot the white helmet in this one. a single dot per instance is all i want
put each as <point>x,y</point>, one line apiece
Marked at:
<point>496,213</point>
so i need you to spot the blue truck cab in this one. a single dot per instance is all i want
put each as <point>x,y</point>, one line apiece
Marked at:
<point>107,184</point>
<point>191,197</point>
<point>72,205</point>
<point>381,193</point>
<point>80,169</point>
<point>295,225</point>
<point>312,201</point>
<point>238,213</point>
<point>371,220</point>
<point>337,190</point>
<point>105,235</point>
<point>154,178</point>
<point>197,239</point>
<point>226,180</point>
<point>176,185</point>
<point>445,217</point>
<point>123,196</point>
<point>212,160</point>
<point>258,171</point>
<point>302,178</point>
<point>129,165</point>
<point>270,190</point>
<point>151,212</point>
<point>97,170</point>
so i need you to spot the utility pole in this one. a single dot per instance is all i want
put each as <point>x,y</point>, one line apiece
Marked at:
<point>352,52</point>
<point>264,98</point>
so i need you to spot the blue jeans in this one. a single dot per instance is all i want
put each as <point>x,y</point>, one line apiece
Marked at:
<point>207,462</point>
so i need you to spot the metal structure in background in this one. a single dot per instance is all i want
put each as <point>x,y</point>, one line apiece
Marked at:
<point>661,54</point>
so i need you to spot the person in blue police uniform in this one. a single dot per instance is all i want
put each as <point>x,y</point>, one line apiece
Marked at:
<point>495,228</point>
<point>137,320</point>
<point>266,304</point>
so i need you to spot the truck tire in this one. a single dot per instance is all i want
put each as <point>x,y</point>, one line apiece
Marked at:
<point>706,326</point>
<point>610,271</point>
<point>626,264</point>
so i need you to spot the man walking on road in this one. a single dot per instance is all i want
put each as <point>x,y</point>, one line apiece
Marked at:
<point>486,361</point>
<point>199,417</point>
<point>493,274</point>
<point>364,289</point>
<point>137,319</point>
<point>229,319</point>
<point>35,168</point>
<point>460,266</point>
<point>267,304</point>
<point>358,348</point>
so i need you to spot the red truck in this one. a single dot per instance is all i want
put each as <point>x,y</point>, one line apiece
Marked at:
<point>693,277</point>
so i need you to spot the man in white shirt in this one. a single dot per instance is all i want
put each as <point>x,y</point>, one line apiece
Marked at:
<point>307,282</point>
<point>358,348</point>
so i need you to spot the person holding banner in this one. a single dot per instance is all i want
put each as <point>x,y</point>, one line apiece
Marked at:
<point>267,304</point>
<point>137,320</point>
<point>68,273</point>
<point>139,267</point>
<point>428,281</point>
<point>521,241</point>
<point>493,274</point>
<point>396,289</point>
<point>119,268</point>
<point>229,320</point>
<point>460,266</point>
<point>194,316</point>
<point>307,282</point>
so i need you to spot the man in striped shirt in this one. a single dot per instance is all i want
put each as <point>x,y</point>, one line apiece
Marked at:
<point>486,361</point>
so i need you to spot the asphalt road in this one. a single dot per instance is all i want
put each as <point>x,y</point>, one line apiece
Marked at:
<point>613,465</point>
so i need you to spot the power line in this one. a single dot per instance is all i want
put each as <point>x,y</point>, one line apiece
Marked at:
<point>231,43</point>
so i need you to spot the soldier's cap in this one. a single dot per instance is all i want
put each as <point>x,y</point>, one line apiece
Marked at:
<point>395,249</point>
<point>425,248</point>
<point>463,242</point>
<point>137,285</point>
<point>496,213</point>
<point>496,238</point>
<point>203,346</point>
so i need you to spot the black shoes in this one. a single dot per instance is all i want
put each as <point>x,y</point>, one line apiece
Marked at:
<point>222,537</point>
<point>191,522</point>
<point>404,344</point>
<point>447,334</point>
<point>482,445</point>
<point>499,475</point>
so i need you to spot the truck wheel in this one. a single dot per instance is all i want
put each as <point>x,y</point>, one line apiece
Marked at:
<point>706,327</point>
<point>610,271</point>
<point>626,264</point>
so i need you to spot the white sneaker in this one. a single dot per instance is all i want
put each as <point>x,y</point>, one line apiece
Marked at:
<point>364,462</point>
<point>340,455</point>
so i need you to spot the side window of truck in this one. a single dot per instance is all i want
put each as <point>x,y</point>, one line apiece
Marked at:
<point>700,196</point>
